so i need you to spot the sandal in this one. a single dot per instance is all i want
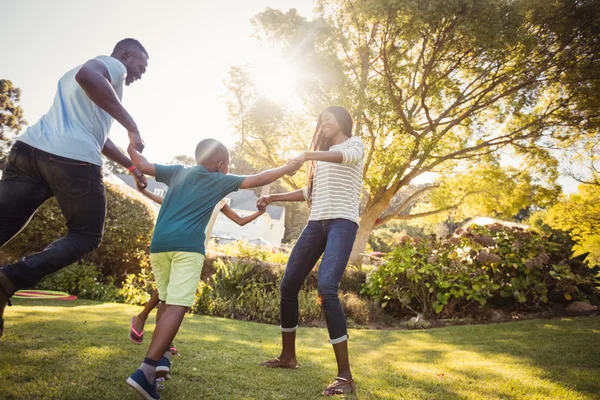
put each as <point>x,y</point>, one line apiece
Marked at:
<point>173,350</point>
<point>337,387</point>
<point>134,336</point>
<point>277,363</point>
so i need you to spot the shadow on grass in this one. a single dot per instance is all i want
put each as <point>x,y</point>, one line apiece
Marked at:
<point>53,350</point>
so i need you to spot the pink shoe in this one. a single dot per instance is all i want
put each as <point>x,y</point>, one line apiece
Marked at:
<point>134,336</point>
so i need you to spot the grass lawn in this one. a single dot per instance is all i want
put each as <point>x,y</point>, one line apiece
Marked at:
<point>79,350</point>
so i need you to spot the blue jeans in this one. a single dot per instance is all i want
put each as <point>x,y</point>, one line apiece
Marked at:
<point>333,239</point>
<point>31,177</point>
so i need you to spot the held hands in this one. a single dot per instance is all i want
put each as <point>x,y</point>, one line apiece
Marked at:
<point>296,163</point>
<point>263,202</point>
<point>136,141</point>
<point>140,179</point>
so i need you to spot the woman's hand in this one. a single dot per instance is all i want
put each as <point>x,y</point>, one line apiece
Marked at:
<point>301,158</point>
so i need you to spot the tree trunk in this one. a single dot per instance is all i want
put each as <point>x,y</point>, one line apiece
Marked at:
<point>367,223</point>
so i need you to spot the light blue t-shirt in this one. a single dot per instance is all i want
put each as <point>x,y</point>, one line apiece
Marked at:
<point>193,194</point>
<point>75,127</point>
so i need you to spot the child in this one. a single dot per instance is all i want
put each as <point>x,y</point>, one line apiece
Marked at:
<point>177,248</point>
<point>136,331</point>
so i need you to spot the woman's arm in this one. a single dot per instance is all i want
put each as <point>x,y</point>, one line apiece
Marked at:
<point>235,217</point>
<point>296,195</point>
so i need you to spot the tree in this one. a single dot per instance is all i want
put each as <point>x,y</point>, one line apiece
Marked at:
<point>579,214</point>
<point>433,86</point>
<point>11,114</point>
<point>183,160</point>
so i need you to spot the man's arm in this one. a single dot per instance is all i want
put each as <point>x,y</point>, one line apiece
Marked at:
<point>112,152</point>
<point>235,217</point>
<point>94,79</point>
<point>270,175</point>
<point>140,161</point>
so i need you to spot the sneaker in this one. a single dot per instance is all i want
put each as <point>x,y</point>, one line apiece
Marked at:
<point>138,381</point>
<point>163,369</point>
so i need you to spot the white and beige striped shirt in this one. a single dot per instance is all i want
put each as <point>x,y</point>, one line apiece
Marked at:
<point>337,187</point>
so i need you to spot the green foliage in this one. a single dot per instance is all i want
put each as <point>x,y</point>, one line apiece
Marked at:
<point>236,290</point>
<point>484,265</point>
<point>244,250</point>
<point>579,215</point>
<point>136,288</point>
<point>127,232</point>
<point>83,280</point>
<point>11,114</point>
<point>433,87</point>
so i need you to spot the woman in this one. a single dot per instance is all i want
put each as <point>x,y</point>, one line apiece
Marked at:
<point>333,195</point>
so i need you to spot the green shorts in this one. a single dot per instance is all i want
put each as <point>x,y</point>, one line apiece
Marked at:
<point>177,274</point>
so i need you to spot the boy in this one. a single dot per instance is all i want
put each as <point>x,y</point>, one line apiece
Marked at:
<point>136,330</point>
<point>177,248</point>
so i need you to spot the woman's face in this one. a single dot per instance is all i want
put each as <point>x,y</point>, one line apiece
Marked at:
<point>329,125</point>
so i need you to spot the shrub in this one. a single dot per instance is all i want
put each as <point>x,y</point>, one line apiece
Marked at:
<point>127,232</point>
<point>495,264</point>
<point>83,280</point>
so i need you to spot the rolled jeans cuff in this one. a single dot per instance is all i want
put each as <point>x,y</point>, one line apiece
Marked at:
<point>289,329</point>
<point>339,340</point>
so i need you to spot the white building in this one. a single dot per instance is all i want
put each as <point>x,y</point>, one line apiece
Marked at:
<point>268,229</point>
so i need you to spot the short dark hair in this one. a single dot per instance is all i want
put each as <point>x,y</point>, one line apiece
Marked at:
<point>210,149</point>
<point>128,43</point>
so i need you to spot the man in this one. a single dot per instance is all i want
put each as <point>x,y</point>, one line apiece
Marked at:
<point>60,156</point>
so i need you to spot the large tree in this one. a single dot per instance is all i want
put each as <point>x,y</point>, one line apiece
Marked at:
<point>11,114</point>
<point>433,86</point>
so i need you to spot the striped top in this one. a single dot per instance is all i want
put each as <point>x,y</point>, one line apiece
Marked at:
<point>337,187</point>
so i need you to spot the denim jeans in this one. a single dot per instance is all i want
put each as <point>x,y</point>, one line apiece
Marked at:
<point>31,177</point>
<point>333,239</point>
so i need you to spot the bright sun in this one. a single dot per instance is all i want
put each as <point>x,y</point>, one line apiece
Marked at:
<point>274,77</point>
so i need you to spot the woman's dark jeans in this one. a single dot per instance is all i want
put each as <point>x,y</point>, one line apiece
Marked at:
<point>31,177</point>
<point>333,239</point>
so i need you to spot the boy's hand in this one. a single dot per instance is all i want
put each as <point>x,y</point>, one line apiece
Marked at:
<point>140,179</point>
<point>263,202</point>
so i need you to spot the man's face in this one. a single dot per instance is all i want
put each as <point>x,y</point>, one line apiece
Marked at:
<point>136,62</point>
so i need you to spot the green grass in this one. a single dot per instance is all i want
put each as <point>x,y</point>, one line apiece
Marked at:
<point>79,350</point>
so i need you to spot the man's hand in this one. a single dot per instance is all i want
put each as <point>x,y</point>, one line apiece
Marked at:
<point>136,141</point>
<point>140,179</point>
<point>263,202</point>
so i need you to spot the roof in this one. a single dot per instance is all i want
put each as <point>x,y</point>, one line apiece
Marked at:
<point>243,199</point>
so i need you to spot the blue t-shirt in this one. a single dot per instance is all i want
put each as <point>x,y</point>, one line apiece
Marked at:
<point>75,127</point>
<point>193,194</point>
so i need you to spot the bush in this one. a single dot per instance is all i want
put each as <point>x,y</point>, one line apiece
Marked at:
<point>127,232</point>
<point>243,250</point>
<point>83,280</point>
<point>502,266</point>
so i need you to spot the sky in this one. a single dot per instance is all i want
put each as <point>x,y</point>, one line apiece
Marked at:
<point>192,44</point>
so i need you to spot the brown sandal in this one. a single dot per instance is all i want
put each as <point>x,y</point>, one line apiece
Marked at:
<point>335,388</point>
<point>277,363</point>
